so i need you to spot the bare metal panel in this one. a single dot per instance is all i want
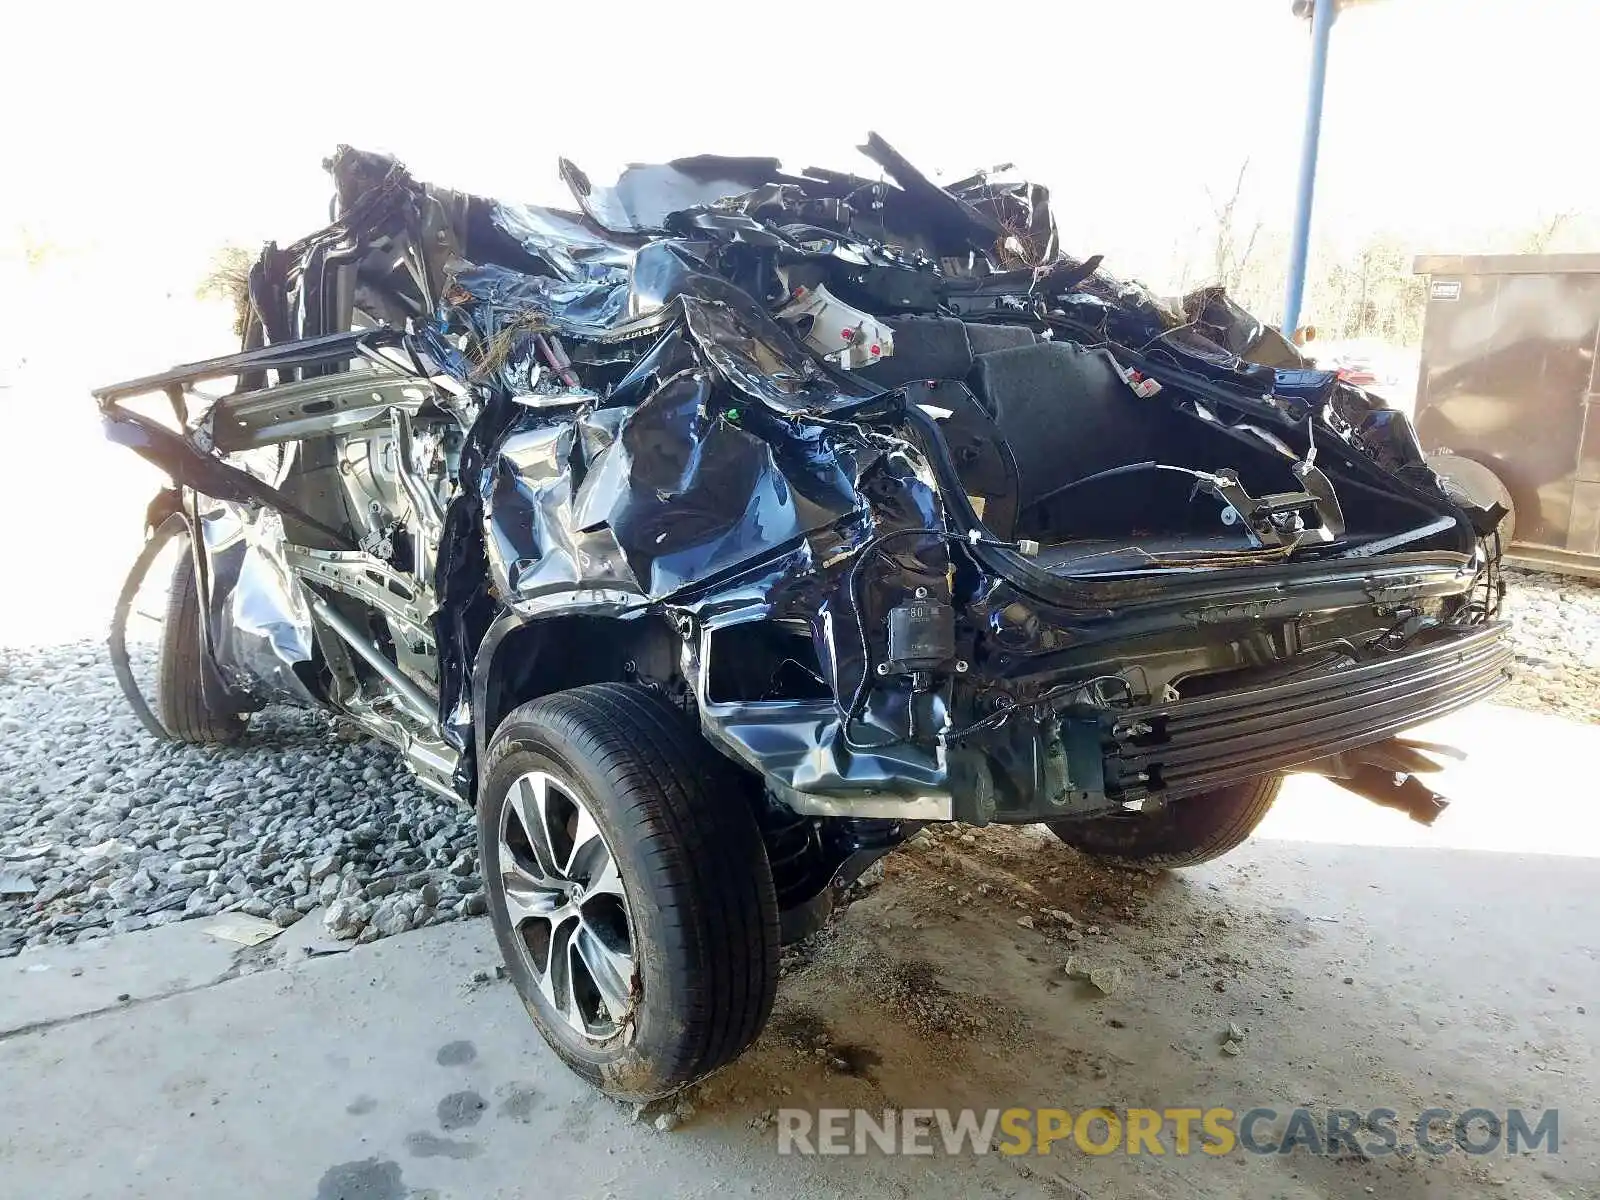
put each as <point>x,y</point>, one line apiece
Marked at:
<point>1508,379</point>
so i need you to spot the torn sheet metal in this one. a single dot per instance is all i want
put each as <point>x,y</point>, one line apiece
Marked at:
<point>257,616</point>
<point>890,489</point>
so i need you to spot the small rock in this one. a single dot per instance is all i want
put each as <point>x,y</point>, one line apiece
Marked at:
<point>284,916</point>
<point>1233,1048</point>
<point>1349,978</point>
<point>872,876</point>
<point>391,918</point>
<point>14,885</point>
<point>475,905</point>
<point>1105,980</point>
<point>1025,922</point>
<point>343,920</point>
<point>111,848</point>
<point>325,866</point>
<point>667,1122</point>
<point>1234,1034</point>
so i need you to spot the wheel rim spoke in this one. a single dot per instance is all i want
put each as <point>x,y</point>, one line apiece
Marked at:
<point>611,971</point>
<point>529,800</point>
<point>585,838</point>
<point>604,880</point>
<point>526,901</point>
<point>566,906</point>
<point>557,981</point>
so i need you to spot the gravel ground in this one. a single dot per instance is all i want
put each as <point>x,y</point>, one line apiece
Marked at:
<point>1555,627</point>
<point>103,830</point>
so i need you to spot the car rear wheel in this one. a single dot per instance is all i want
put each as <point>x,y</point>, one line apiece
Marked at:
<point>180,695</point>
<point>1469,483</point>
<point>629,889</point>
<point>1183,833</point>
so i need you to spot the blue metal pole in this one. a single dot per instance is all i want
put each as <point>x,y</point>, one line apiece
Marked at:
<point>1322,16</point>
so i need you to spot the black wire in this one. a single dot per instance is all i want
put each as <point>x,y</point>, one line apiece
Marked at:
<point>1000,716</point>
<point>1110,472</point>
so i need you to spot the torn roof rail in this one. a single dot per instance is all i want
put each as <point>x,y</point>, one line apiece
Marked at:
<point>307,352</point>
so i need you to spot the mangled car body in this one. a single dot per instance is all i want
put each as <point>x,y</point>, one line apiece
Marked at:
<point>712,535</point>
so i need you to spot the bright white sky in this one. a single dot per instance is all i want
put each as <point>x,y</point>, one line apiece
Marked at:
<point>137,137</point>
<point>173,128</point>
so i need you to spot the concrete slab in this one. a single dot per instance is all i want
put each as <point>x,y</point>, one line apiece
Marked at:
<point>381,1074</point>
<point>1369,962</point>
<point>56,983</point>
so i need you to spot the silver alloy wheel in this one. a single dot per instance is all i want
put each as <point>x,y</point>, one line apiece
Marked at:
<point>565,903</point>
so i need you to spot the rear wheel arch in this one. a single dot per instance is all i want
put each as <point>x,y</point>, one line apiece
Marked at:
<point>521,659</point>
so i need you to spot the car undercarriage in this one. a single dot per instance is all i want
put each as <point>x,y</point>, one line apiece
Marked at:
<point>910,515</point>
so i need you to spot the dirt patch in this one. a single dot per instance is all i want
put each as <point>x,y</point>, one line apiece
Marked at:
<point>963,980</point>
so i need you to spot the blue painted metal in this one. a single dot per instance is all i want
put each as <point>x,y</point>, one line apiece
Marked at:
<point>1322,15</point>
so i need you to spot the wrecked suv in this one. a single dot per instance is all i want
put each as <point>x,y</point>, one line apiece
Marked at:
<point>711,537</point>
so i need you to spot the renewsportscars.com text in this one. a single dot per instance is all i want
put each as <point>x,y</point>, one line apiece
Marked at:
<point>1166,1131</point>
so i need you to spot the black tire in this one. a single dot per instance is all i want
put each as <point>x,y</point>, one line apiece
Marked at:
<point>172,528</point>
<point>1472,485</point>
<point>1183,833</point>
<point>702,915</point>
<point>180,695</point>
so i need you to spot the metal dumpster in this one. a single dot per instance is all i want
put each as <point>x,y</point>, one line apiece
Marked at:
<point>1507,380</point>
